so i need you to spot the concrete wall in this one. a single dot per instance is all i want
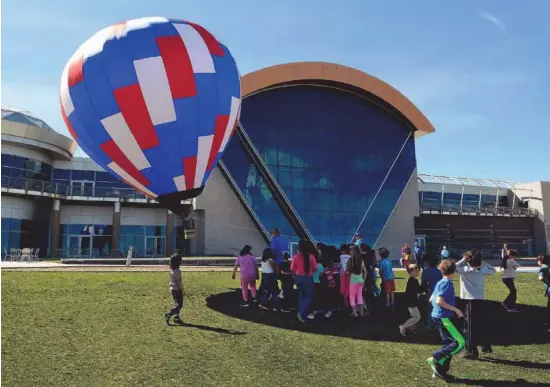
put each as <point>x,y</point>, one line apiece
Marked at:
<point>71,214</point>
<point>78,163</point>
<point>18,208</point>
<point>539,199</point>
<point>399,228</point>
<point>135,216</point>
<point>228,227</point>
<point>23,151</point>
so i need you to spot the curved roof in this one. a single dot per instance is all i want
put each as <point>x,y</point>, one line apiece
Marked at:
<point>25,129</point>
<point>273,76</point>
<point>24,117</point>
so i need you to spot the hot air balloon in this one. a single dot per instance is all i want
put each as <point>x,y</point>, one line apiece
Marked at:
<point>154,101</point>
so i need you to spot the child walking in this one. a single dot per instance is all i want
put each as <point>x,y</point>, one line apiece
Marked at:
<point>430,277</point>
<point>289,298</point>
<point>344,277</point>
<point>176,287</point>
<point>249,273</point>
<point>412,292</point>
<point>544,275</point>
<point>443,301</point>
<point>388,277</point>
<point>509,266</point>
<point>357,275</point>
<point>269,280</point>
<point>472,271</point>
<point>318,298</point>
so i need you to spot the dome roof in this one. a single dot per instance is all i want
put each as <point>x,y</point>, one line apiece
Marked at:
<point>24,117</point>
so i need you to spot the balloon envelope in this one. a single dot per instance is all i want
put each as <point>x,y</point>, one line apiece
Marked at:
<point>154,101</point>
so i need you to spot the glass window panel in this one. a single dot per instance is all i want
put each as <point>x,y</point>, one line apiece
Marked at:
<point>355,145</point>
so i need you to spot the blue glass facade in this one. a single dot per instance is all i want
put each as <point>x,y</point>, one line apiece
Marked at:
<point>93,183</point>
<point>330,151</point>
<point>23,167</point>
<point>24,233</point>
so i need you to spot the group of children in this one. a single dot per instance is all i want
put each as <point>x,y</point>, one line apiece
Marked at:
<point>327,279</point>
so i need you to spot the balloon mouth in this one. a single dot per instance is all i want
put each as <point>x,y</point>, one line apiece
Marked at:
<point>173,201</point>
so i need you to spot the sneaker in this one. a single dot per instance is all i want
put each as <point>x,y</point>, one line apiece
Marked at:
<point>285,310</point>
<point>403,331</point>
<point>167,318</point>
<point>512,310</point>
<point>487,350</point>
<point>244,305</point>
<point>275,309</point>
<point>254,301</point>
<point>328,314</point>
<point>263,307</point>
<point>436,368</point>
<point>300,319</point>
<point>177,320</point>
<point>311,316</point>
<point>504,305</point>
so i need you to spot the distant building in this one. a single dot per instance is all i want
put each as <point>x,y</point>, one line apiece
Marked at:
<point>322,152</point>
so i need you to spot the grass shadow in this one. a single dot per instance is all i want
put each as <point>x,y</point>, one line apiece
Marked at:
<point>518,363</point>
<point>383,326</point>
<point>210,329</point>
<point>497,383</point>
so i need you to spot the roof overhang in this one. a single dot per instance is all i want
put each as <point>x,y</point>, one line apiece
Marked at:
<point>56,145</point>
<point>331,75</point>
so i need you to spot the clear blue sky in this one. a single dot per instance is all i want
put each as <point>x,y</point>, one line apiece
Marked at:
<point>479,70</point>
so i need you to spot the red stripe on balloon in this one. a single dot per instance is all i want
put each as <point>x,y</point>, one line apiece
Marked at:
<point>66,119</point>
<point>213,45</point>
<point>134,110</point>
<point>112,150</point>
<point>178,66</point>
<point>189,170</point>
<point>75,72</point>
<point>219,131</point>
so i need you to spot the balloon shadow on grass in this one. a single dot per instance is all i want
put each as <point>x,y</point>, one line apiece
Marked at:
<point>501,327</point>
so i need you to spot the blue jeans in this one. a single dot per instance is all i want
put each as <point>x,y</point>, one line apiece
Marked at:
<point>452,340</point>
<point>304,283</point>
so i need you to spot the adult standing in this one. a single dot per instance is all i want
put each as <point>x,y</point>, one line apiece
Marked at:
<point>303,266</point>
<point>279,245</point>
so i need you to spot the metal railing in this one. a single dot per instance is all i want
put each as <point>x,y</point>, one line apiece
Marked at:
<point>437,208</point>
<point>63,190</point>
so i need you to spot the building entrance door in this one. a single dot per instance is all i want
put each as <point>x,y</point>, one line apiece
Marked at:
<point>155,246</point>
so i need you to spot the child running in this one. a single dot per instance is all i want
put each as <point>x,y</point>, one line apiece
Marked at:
<point>544,275</point>
<point>388,277</point>
<point>357,275</point>
<point>176,287</point>
<point>412,292</point>
<point>443,301</point>
<point>509,266</point>
<point>249,273</point>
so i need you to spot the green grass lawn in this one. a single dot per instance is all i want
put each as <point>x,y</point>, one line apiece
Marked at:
<point>107,329</point>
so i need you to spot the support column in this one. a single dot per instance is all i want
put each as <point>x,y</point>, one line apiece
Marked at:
<point>56,218</point>
<point>116,227</point>
<point>169,232</point>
